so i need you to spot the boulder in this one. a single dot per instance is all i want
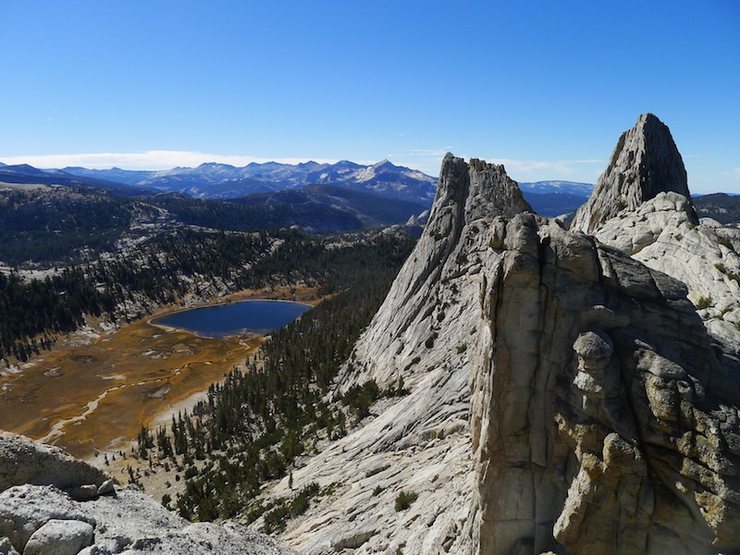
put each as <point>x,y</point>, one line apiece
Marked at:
<point>24,461</point>
<point>61,537</point>
<point>25,509</point>
<point>84,493</point>
<point>44,519</point>
<point>106,488</point>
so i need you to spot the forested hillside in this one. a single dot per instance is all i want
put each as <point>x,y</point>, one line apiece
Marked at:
<point>245,215</point>
<point>719,206</point>
<point>42,225</point>
<point>50,223</point>
<point>253,426</point>
<point>163,269</point>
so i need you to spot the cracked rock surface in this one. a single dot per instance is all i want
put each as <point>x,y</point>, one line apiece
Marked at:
<point>703,257</point>
<point>645,162</point>
<point>565,397</point>
<point>648,214</point>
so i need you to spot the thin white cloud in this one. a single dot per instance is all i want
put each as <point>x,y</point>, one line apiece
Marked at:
<point>558,167</point>
<point>734,172</point>
<point>429,160</point>
<point>431,152</point>
<point>148,160</point>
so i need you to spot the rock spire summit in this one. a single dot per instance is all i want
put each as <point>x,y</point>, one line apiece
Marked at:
<point>644,163</point>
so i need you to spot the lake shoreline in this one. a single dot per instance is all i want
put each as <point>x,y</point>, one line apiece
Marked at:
<point>275,321</point>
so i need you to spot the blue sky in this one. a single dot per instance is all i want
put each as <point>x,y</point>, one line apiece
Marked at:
<point>545,87</point>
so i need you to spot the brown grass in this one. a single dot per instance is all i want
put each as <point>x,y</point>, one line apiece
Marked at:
<point>138,375</point>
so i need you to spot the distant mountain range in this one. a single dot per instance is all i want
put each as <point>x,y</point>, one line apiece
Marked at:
<point>556,198</point>
<point>52,215</point>
<point>222,181</point>
<point>84,208</point>
<point>212,180</point>
<point>385,180</point>
<point>25,174</point>
<point>563,187</point>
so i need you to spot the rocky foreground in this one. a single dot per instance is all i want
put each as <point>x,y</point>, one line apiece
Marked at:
<point>52,504</point>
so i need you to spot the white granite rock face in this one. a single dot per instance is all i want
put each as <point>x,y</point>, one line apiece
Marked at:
<point>657,225</point>
<point>60,537</point>
<point>704,257</point>
<point>645,162</point>
<point>43,519</point>
<point>596,396</point>
<point>564,397</point>
<point>420,443</point>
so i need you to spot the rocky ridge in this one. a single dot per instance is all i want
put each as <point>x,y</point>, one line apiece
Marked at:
<point>53,503</point>
<point>564,396</point>
<point>419,444</point>
<point>662,231</point>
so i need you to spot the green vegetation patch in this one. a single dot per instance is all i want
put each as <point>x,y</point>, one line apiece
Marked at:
<point>405,499</point>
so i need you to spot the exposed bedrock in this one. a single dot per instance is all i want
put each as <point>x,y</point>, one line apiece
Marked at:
<point>564,397</point>
<point>645,162</point>
<point>642,206</point>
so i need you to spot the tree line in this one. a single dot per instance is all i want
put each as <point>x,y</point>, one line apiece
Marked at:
<point>33,312</point>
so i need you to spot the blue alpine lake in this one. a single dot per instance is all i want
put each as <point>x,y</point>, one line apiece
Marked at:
<point>242,316</point>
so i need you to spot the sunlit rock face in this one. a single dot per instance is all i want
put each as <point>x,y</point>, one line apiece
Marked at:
<point>603,413</point>
<point>645,162</point>
<point>564,397</point>
<point>662,230</point>
<point>51,503</point>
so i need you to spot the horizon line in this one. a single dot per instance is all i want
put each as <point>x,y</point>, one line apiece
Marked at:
<point>164,160</point>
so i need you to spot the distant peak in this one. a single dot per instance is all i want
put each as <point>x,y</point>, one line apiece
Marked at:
<point>214,165</point>
<point>347,164</point>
